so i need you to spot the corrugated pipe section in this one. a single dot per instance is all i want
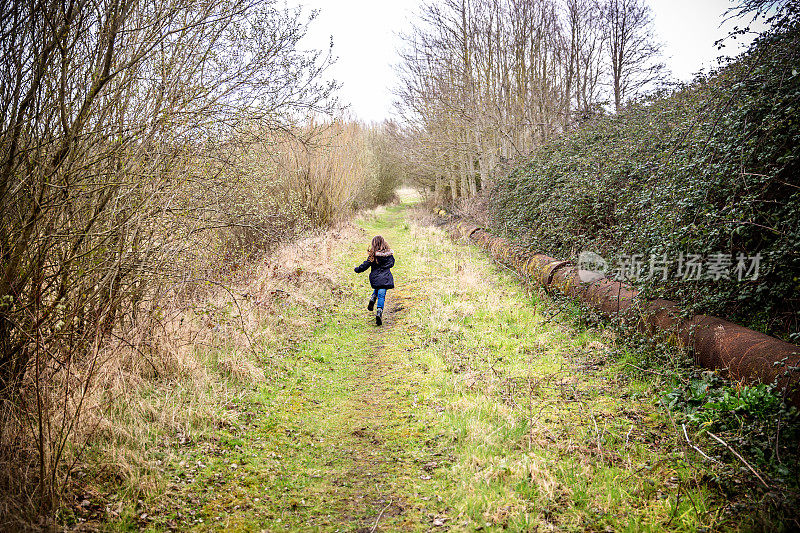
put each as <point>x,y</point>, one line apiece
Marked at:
<point>738,352</point>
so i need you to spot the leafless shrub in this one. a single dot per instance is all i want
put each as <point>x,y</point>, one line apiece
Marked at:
<point>119,121</point>
<point>333,174</point>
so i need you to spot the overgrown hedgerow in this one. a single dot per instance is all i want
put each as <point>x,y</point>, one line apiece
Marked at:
<point>710,168</point>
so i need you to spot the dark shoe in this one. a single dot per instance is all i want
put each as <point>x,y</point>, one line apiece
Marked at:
<point>378,314</point>
<point>371,303</point>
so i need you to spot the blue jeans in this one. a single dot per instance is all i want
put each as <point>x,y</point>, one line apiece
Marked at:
<point>381,295</point>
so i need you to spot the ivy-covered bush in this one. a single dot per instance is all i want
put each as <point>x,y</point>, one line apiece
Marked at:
<point>711,169</point>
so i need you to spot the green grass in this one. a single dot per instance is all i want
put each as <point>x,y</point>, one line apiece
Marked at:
<point>469,409</point>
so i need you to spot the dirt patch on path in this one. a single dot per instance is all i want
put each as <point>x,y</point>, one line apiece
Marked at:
<point>372,498</point>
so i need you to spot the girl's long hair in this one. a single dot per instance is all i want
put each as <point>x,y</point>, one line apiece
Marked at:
<point>379,244</point>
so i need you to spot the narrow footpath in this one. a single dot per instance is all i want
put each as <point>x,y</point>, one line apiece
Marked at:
<point>479,405</point>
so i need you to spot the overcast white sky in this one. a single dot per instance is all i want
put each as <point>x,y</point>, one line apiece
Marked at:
<point>365,41</point>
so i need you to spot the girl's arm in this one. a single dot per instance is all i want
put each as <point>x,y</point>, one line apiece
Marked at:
<point>362,267</point>
<point>391,262</point>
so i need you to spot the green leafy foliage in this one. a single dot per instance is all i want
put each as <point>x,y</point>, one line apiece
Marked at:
<point>708,400</point>
<point>713,167</point>
<point>753,418</point>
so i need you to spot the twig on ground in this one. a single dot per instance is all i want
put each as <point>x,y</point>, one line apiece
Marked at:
<point>646,370</point>
<point>677,506</point>
<point>599,436</point>
<point>698,450</point>
<point>379,517</point>
<point>778,437</point>
<point>551,317</point>
<point>742,459</point>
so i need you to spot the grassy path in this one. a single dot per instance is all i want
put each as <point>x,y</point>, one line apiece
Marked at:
<point>472,408</point>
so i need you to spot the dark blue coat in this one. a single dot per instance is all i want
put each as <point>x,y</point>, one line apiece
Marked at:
<point>380,277</point>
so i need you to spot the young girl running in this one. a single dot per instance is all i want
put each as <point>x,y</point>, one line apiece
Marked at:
<point>380,258</point>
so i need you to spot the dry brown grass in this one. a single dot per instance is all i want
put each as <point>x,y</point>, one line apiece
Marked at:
<point>174,378</point>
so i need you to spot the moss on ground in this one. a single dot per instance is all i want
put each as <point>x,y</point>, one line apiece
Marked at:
<point>475,407</point>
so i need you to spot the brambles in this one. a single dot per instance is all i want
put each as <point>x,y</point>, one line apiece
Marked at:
<point>752,418</point>
<point>709,169</point>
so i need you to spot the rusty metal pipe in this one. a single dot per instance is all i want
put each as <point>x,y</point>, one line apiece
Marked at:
<point>739,353</point>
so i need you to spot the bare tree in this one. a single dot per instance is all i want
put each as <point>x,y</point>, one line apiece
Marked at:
<point>116,117</point>
<point>485,80</point>
<point>632,50</point>
<point>585,62</point>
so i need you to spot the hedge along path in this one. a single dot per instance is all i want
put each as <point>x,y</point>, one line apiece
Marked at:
<point>473,407</point>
